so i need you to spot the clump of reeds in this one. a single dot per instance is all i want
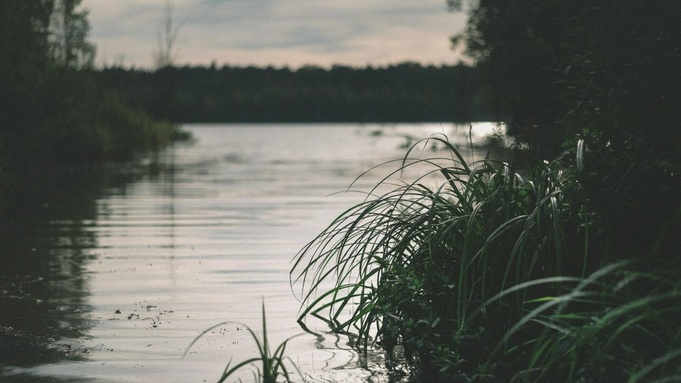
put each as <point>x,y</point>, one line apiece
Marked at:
<point>485,277</point>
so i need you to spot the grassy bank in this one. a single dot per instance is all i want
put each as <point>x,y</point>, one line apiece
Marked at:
<point>490,277</point>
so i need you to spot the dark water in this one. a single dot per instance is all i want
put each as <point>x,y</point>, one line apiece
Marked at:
<point>108,274</point>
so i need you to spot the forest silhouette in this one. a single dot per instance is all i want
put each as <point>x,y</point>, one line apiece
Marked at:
<point>406,92</point>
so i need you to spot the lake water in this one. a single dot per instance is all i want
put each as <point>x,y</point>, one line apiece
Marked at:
<point>111,273</point>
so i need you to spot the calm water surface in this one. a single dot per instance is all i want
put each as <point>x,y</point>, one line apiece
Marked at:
<point>112,278</point>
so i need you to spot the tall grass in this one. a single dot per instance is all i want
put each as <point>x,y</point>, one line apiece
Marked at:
<point>484,277</point>
<point>618,324</point>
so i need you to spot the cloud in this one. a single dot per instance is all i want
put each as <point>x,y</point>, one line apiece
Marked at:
<point>280,32</point>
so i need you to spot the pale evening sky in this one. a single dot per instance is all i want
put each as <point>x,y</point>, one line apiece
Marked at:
<point>278,32</point>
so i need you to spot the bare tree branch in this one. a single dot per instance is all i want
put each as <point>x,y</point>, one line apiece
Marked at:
<point>165,55</point>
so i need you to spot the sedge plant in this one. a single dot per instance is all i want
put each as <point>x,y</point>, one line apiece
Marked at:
<point>617,324</point>
<point>488,276</point>
<point>269,366</point>
<point>410,266</point>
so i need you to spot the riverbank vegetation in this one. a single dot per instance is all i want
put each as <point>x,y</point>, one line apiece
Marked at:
<point>52,110</point>
<point>490,277</point>
<point>570,273</point>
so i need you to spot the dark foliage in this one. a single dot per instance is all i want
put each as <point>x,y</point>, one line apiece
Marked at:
<point>558,66</point>
<point>51,110</point>
<point>608,71</point>
<point>400,93</point>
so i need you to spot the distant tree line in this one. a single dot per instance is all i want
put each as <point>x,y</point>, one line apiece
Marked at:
<point>397,93</point>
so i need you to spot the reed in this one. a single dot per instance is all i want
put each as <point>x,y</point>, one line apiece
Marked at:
<point>489,277</point>
<point>411,265</point>
<point>617,324</point>
<point>268,367</point>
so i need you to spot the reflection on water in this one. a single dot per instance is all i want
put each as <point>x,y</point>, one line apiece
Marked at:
<point>44,250</point>
<point>108,276</point>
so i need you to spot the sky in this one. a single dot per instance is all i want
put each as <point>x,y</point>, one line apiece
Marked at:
<point>278,33</point>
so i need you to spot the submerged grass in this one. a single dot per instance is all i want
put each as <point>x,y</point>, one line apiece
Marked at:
<point>489,277</point>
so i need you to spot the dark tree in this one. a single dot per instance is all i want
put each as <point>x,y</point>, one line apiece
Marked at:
<point>51,110</point>
<point>558,66</point>
<point>607,70</point>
